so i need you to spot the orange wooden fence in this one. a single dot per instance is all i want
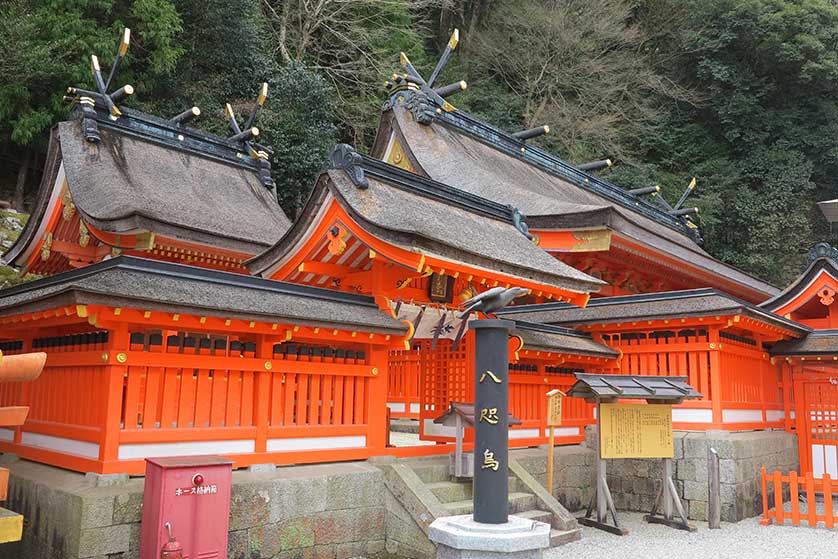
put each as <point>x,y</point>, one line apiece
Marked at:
<point>797,486</point>
<point>105,401</point>
<point>742,389</point>
<point>403,383</point>
<point>447,376</point>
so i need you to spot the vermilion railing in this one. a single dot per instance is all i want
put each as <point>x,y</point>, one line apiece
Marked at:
<point>101,407</point>
<point>742,389</point>
<point>805,485</point>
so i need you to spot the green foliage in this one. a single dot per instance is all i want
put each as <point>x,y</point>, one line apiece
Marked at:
<point>50,43</point>
<point>300,131</point>
<point>762,141</point>
<point>355,44</point>
<point>229,54</point>
<point>739,93</point>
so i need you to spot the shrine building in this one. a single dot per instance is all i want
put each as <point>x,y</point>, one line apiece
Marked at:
<point>182,312</point>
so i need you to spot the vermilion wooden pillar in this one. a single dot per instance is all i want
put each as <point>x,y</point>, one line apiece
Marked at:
<point>716,376</point>
<point>262,389</point>
<point>377,426</point>
<point>113,378</point>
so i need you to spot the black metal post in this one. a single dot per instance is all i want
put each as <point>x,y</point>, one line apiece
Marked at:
<point>491,416</point>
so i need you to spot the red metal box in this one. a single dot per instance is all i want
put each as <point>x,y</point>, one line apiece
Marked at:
<point>192,493</point>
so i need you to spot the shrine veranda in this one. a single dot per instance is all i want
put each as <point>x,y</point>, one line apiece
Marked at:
<point>184,313</point>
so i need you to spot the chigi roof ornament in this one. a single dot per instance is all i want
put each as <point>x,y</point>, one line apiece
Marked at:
<point>426,100</point>
<point>247,134</point>
<point>87,99</point>
<point>101,108</point>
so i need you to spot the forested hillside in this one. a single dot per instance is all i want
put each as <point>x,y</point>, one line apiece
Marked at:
<point>738,93</point>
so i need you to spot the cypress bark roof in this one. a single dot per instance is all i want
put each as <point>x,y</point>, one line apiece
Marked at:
<point>462,151</point>
<point>818,263</point>
<point>131,282</point>
<point>818,342</point>
<point>127,182</point>
<point>148,175</point>
<point>542,337</point>
<point>650,306</point>
<point>424,216</point>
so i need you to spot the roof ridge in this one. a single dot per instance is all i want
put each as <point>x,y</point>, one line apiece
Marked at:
<point>551,163</point>
<point>428,187</point>
<point>618,299</point>
<point>145,126</point>
<point>190,272</point>
<point>551,329</point>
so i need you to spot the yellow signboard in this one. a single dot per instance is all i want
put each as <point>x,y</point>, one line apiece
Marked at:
<point>635,431</point>
<point>554,407</point>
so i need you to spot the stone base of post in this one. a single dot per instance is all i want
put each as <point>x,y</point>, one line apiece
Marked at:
<point>460,537</point>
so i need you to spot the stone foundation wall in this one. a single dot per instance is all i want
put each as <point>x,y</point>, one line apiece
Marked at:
<point>634,483</point>
<point>344,510</point>
<point>329,511</point>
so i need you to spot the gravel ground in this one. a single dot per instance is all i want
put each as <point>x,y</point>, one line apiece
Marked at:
<point>742,540</point>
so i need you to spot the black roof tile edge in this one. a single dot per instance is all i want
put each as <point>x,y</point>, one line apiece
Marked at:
<point>505,142</point>
<point>621,299</point>
<point>132,263</point>
<point>820,264</point>
<point>551,329</point>
<point>661,296</point>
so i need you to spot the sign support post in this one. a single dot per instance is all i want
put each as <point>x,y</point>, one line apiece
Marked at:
<point>554,418</point>
<point>634,431</point>
<point>490,530</point>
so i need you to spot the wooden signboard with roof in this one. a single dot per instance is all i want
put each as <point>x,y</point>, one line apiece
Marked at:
<point>634,431</point>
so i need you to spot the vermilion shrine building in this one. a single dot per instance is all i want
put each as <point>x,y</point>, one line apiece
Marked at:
<point>183,313</point>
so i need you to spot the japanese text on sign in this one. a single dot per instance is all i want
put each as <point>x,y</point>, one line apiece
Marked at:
<point>196,490</point>
<point>489,462</point>
<point>554,407</point>
<point>636,431</point>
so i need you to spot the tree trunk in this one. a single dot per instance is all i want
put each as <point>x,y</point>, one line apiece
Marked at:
<point>20,185</point>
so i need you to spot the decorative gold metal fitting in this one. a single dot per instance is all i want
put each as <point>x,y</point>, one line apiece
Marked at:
<point>45,248</point>
<point>84,234</point>
<point>455,39</point>
<point>375,371</point>
<point>126,40</point>
<point>268,365</point>
<point>105,357</point>
<point>121,357</point>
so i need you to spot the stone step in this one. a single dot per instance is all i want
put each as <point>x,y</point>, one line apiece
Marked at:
<point>460,490</point>
<point>561,537</point>
<point>431,473</point>
<point>539,515</point>
<point>520,502</point>
<point>450,491</point>
<point>517,502</point>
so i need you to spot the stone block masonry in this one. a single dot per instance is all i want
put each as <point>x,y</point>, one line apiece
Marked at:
<point>344,510</point>
<point>634,483</point>
<point>328,511</point>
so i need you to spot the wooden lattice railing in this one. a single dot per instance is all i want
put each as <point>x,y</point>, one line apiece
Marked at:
<point>795,486</point>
